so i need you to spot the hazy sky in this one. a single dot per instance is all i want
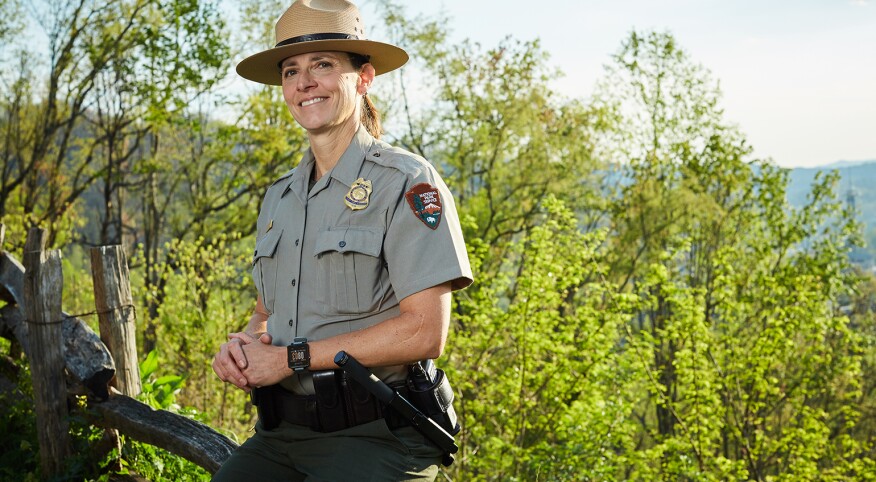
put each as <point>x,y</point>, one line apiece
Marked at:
<point>798,77</point>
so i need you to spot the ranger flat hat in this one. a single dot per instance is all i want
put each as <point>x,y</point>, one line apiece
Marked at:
<point>316,26</point>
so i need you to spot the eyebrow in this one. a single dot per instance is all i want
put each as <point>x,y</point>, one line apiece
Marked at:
<point>290,63</point>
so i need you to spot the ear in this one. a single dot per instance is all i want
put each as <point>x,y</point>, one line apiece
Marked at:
<point>366,77</point>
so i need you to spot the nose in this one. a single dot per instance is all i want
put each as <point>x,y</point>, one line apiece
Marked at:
<point>305,81</point>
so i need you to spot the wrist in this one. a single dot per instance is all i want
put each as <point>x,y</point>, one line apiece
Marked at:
<point>298,355</point>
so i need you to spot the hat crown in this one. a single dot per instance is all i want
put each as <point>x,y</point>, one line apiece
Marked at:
<point>313,17</point>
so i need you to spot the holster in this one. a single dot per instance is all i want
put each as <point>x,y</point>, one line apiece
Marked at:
<point>267,404</point>
<point>429,390</point>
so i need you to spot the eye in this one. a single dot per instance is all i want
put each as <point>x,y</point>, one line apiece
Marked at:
<point>289,73</point>
<point>323,64</point>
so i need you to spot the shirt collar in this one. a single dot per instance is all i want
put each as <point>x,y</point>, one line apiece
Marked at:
<point>298,184</point>
<point>346,170</point>
<point>350,164</point>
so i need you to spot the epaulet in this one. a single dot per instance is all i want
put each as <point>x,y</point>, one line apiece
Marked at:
<point>397,158</point>
<point>286,175</point>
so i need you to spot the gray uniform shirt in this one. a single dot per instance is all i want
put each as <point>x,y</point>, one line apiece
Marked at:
<point>323,268</point>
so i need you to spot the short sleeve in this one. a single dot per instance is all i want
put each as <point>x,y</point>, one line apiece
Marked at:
<point>424,246</point>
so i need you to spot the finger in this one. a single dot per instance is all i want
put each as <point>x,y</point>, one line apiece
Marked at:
<point>243,337</point>
<point>217,368</point>
<point>230,364</point>
<point>235,351</point>
<point>266,339</point>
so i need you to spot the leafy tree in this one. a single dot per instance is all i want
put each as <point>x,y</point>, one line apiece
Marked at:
<point>501,138</point>
<point>739,343</point>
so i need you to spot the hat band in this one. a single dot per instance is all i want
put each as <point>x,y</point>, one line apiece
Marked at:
<point>317,36</point>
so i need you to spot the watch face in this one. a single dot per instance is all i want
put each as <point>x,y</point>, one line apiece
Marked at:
<point>297,356</point>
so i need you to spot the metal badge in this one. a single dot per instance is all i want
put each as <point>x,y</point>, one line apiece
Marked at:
<point>358,196</point>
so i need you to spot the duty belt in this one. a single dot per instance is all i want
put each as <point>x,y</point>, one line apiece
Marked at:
<point>337,405</point>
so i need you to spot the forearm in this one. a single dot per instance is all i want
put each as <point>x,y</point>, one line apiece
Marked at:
<point>400,340</point>
<point>258,324</point>
<point>258,321</point>
<point>418,333</point>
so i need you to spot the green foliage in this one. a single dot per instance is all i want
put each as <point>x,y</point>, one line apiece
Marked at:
<point>19,449</point>
<point>647,305</point>
<point>159,465</point>
<point>211,298</point>
<point>159,392</point>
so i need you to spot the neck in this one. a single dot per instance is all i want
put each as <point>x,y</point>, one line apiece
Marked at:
<point>328,146</point>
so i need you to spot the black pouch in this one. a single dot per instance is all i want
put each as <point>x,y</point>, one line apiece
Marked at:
<point>330,410</point>
<point>430,391</point>
<point>362,407</point>
<point>267,404</point>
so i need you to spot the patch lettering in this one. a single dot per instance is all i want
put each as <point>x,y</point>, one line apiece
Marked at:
<point>425,202</point>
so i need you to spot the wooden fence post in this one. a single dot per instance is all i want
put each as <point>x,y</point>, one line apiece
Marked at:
<point>115,307</point>
<point>43,285</point>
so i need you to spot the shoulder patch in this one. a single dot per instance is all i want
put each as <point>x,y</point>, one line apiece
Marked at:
<point>425,202</point>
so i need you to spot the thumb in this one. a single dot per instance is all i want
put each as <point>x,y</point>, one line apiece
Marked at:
<point>265,338</point>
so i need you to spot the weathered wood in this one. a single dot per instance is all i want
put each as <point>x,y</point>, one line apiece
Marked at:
<point>11,279</point>
<point>115,308</point>
<point>177,434</point>
<point>43,284</point>
<point>86,360</point>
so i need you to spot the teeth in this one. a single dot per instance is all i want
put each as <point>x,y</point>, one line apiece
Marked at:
<point>312,101</point>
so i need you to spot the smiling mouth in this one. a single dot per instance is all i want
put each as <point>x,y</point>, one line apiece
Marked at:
<point>312,101</point>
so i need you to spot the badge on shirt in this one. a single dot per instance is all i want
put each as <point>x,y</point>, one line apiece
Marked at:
<point>426,204</point>
<point>357,196</point>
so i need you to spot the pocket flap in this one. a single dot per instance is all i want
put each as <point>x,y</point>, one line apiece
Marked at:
<point>358,239</point>
<point>267,246</point>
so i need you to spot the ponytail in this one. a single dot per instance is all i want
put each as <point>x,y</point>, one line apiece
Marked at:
<point>370,117</point>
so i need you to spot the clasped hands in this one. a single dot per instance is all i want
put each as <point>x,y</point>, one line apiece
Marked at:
<point>248,362</point>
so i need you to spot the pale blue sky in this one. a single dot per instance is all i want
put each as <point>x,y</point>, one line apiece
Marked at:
<point>798,77</point>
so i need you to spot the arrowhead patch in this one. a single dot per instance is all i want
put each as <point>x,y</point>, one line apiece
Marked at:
<point>425,202</point>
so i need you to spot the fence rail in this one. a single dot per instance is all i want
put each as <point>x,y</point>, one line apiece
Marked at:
<point>83,364</point>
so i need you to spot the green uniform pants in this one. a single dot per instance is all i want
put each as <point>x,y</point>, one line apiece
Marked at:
<point>366,452</point>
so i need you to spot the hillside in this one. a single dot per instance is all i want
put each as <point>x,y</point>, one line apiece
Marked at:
<point>857,184</point>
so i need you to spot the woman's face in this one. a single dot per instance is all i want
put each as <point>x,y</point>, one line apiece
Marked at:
<point>322,89</point>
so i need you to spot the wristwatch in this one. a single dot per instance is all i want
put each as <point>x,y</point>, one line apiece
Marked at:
<point>298,354</point>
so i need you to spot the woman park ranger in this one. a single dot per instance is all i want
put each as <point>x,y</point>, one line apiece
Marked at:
<point>358,249</point>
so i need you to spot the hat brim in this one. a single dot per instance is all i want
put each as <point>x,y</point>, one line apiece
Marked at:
<point>264,67</point>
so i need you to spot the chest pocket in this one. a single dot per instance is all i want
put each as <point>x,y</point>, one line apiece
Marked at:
<point>264,267</point>
<point>349,267</point>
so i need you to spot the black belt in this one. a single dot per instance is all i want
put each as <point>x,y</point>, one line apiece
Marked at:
<point>329,410</point>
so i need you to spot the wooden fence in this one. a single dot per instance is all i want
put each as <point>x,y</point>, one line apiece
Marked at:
<point>104,368</point>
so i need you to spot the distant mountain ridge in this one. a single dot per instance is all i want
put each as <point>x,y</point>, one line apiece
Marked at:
<point>856,177</point>
<point>841,164</point>
<point>857,185</point>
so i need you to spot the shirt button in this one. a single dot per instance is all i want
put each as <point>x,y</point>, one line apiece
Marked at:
<point>293,281</point>
<point>296,242</point>
<point>291,322</point>
<point>342,244</point>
